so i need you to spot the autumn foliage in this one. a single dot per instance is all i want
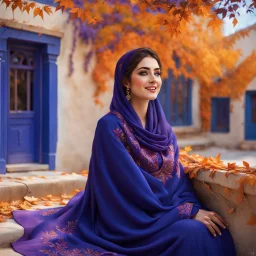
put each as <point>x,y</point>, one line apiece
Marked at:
<point>188,30</point>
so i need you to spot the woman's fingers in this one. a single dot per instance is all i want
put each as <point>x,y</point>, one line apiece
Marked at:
<point>215,227</point>
<point>211,229</point>
<point>218,221</point>
<point>220,218</point>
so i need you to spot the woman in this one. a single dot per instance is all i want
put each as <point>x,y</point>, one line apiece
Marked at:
<point>137,199</point>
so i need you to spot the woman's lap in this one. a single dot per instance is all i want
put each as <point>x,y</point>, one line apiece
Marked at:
<point>192,237</point>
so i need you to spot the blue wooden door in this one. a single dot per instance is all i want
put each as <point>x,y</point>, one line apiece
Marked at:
<point>250,115</point>
<point>23,101</point>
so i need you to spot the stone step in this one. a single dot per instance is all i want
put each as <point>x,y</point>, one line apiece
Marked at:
<point>196,141</point>
<point>12,231</point>
<point>10,168</point>
<point>186,130</point>
<point>15,186</point>
<point>248,145</point>
<point>8,252</point>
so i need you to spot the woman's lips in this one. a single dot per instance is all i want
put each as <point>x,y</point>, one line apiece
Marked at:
<point>151,89</point>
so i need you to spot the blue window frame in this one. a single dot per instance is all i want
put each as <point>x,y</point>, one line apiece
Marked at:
<point>220,114</point>
<point>250,115</point>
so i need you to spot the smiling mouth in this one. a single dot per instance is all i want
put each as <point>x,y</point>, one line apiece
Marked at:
<point>151,89</point>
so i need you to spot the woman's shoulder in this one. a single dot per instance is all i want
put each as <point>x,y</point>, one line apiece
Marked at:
<point>108,121</point>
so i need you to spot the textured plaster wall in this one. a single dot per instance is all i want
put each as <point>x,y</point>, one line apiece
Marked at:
<point>77,113</point>
<point>237,117</point>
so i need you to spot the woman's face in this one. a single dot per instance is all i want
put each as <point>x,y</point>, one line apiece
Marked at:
<point>146,80</point>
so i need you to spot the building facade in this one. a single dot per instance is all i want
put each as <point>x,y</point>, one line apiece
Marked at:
<point>48,117</point>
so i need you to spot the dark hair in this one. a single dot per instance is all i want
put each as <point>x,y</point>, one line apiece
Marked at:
<point>136,58</point>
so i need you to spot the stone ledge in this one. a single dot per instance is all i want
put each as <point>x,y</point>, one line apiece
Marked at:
<point>26,167</point>
<point>54,183</point>
<point>229,182</point>
<point>196,142</point>
<point>216,198</point>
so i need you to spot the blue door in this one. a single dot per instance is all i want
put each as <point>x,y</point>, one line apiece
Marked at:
<point>250,115</point>
<point>23,128</point>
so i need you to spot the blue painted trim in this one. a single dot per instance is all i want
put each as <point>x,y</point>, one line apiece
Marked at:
<point>49,110</point>
<point>3,105</point>
<point>250,126</point>
<point>51,49</point>
<point>223,115</point>
<point>46,2</point>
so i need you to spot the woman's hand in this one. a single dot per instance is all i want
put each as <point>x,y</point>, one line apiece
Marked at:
<point>210,219</point>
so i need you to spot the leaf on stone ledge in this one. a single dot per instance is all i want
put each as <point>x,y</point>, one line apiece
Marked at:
<point>30,198</point>
<point>2,219</point>
<point>252,220</point>
<point>231,210</point>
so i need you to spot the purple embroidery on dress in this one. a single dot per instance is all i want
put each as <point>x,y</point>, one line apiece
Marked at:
<point>177,168</point>
<point>60,247</point>
<point>69,229</point>
<point>185,210</point>
<point>49,212</point>
<point>143,157</point>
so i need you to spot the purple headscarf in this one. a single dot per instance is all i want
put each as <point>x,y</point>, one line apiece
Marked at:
<point>157,134</point>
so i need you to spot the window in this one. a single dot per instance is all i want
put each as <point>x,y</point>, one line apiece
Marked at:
<point>21,80</point>
<point>220,114</point>
<point>180,97</point>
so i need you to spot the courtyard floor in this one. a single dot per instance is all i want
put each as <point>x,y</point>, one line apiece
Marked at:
<point>229,155</point>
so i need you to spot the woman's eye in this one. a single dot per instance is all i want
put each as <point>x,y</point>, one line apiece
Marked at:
<point>158,74</point>
<point>143,73</point>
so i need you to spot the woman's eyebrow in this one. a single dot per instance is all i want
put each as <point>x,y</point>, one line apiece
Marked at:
<point>148,68</point>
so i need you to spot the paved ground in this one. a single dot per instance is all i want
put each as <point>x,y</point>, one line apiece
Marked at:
<point>228,155</point>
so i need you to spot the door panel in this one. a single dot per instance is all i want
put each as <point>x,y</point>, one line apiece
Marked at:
<point>21,143</point>
<point>250,115</point>
<point>22,124</point>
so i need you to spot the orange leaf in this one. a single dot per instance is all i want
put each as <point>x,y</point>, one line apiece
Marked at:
<point>188,148</point>
<point>231,210</point>
<point>217,157</point>
<point>2,219</point>
<point>246,165</point>
<point>30,199</point>
<point>252,220</point>
<point>212,173</point>
<point>48,9</point>
<point>47,203</point>
<point>227,191</point>
<point>37,11</point>
<point>32,5</point>
<point>234,22</point>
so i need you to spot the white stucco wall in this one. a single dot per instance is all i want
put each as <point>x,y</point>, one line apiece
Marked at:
<point>237,118</point>
<point>77,113</point>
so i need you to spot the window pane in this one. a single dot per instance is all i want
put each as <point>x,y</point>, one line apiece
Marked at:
<point>180,100</point>
<point>221,117</point>
<point>31,73</point>
<point>254,108</point>
<point>12,89</point>
<point>22,90</point>
<point>173,100</point>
